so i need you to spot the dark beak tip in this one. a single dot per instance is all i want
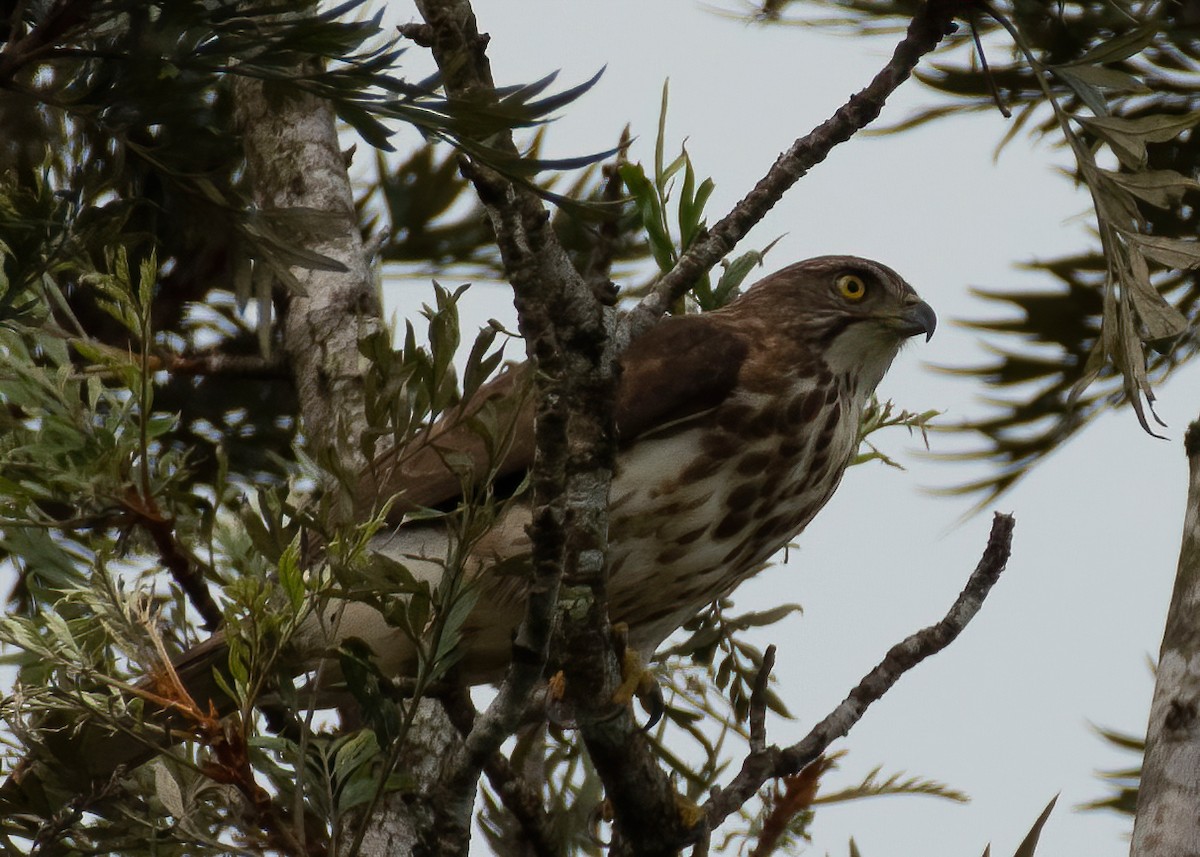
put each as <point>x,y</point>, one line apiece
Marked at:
<point>924,319</point>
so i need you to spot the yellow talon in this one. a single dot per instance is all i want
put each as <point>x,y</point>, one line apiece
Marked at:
<point>634,677</point>
<point>556,686</point>
<point>690,812</point>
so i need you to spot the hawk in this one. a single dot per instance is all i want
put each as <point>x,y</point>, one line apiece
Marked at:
<point>734,427</point>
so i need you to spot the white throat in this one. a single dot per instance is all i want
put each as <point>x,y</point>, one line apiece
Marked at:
<point>865,353</point>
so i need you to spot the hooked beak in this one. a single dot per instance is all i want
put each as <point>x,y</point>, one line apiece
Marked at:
<point>918,317</point>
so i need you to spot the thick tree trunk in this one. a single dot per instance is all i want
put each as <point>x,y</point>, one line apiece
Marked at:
<point>1168,811</point>
<point>295,162</point>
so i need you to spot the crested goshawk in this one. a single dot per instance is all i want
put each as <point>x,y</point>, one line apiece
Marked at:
<point>734,427</point>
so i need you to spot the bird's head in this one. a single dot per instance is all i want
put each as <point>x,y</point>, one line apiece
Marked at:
<point>852,312</point>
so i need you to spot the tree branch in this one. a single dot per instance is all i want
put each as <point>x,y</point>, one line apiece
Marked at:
<point>180,563</point>
<point>517,796</point>
<point>758,702</point>
<point>1166,821</point>
<point>600,260</point>
<point>218,363</point>
<point>772,762</point>
<point>928,27</point>
<point>566,334</point>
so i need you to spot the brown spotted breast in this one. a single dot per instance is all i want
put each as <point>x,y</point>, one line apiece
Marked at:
<point>701,506</point>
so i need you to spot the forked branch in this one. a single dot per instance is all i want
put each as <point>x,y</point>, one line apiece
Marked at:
<point>773,762</point>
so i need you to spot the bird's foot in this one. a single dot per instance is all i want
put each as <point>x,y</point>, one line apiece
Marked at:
<point>690,812</point>
<point>637,680</point>
<point>556,687</point>
<point>559,712</point>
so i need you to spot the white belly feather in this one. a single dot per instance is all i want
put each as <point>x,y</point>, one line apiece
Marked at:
<point>693,513</point>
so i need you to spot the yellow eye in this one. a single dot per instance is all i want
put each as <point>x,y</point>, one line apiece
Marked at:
<point>852,288</point>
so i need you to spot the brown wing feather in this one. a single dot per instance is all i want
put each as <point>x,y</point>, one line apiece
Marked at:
<point>421,475</point>
<point>680,367</point>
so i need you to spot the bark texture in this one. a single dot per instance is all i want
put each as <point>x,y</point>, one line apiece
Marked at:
<point>566,331</point>
<point>1168,810</point>
<point>295,162</point>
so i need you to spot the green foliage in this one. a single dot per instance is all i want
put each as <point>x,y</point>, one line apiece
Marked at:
<point>129,246</point>
<point>652,198</point>
<point>1028,845</point>
<point>881,415</point>
<point>1124,781</point>
<point>713,643</point>
<point>571,790</point>
<point>98,612</point>
<point>429,219</point>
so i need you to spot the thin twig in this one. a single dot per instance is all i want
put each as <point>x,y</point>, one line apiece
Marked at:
<point>184,568</point>
<point>928,27</point>
<point>987,72</point>
<point>758,702</point>
<point>599,265</point>
<point>758,767</point>
<point>217,363</point>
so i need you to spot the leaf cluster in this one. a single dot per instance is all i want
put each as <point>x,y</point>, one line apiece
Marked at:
<point>429,220</point>
<point>100,611</point>
<point>1124,782</point>
<point>882,415</point>
<point>651,197</point>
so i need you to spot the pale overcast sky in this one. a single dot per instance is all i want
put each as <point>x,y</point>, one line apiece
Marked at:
<point>1063,641</point>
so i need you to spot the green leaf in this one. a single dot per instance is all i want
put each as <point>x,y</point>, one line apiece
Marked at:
<point>1121,47</point>
<point>167,790</point>
<point>368,126</point>
<point>291,574</point>
<point>1163,323</point>
<point>768,617</point>
<point>1128,137</point>
<point>1087,92</point>
<point>1029,843</point>
<point>691,205</point>
<point>1178,253</point>
<point>1161,188</point>
<point>649,207</point>
<point>160,424</point>
<point>661,137</point>
<point>735,272</point>
<point>1104,78</point>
